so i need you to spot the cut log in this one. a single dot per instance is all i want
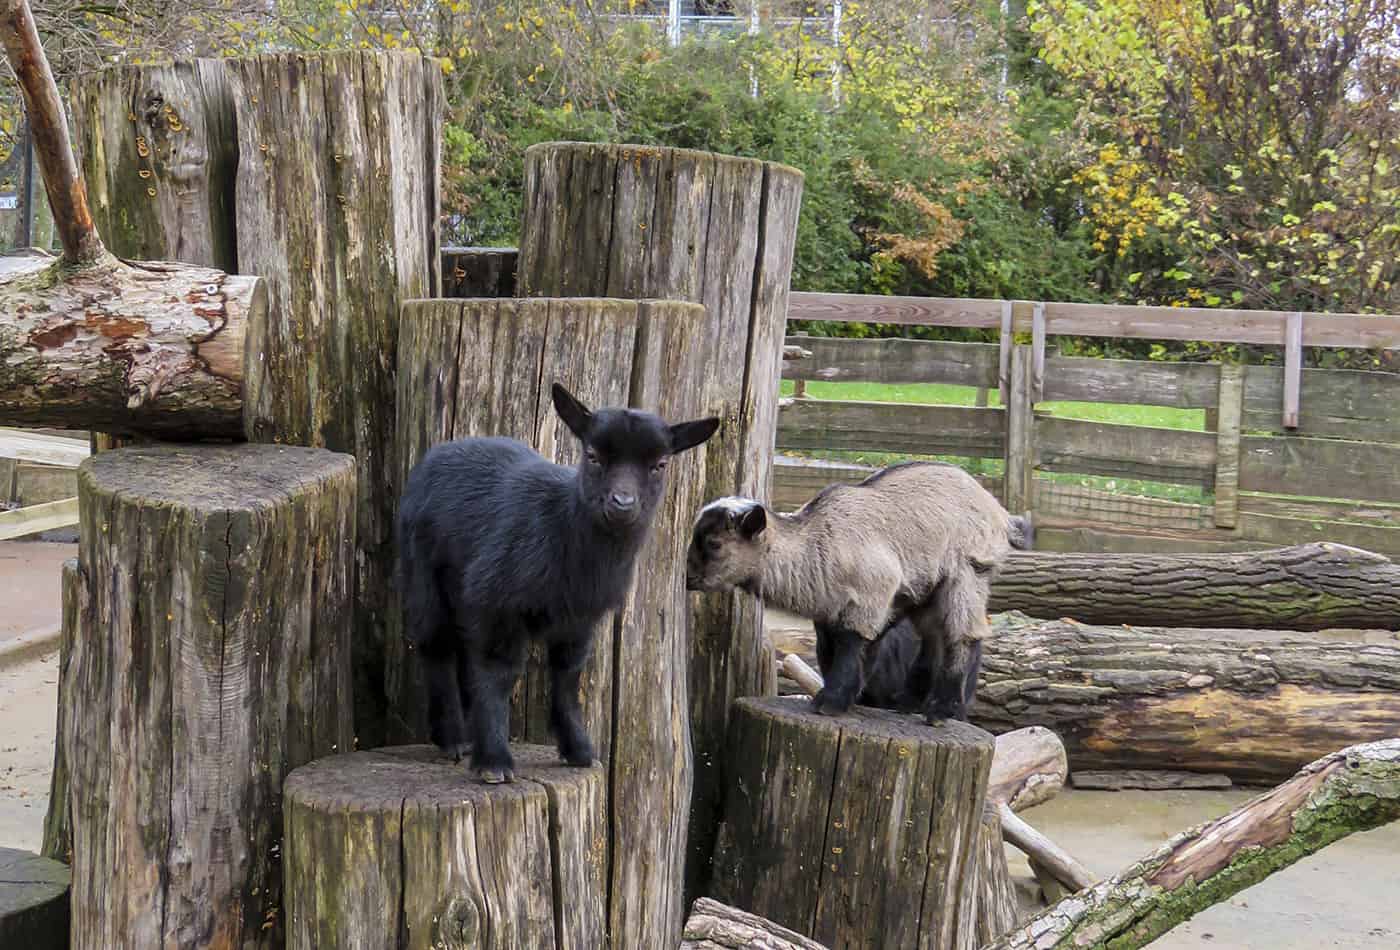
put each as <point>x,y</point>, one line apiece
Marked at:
<point>1149,779</point>
<point>478,271</point>
<point>809,797</point>
<point>641,222</point>
<point>319,172</point>
<point>458,376</point>
<point>716,926</point>
<point>1308,587</point>
<point>58,826</point>
<point>997,910</point>
<point>400,848</point>
<point>1339,794</point>
<point>211,659</point>
<point>1253,706</point>
<point>33,901</point>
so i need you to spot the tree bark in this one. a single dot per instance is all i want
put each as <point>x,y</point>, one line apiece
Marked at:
<point>1308,587</point>
<point>154,348</point>
<point>809,798</point>
<point>997,908</point>
<point>460,376</point>
<point>33,901</point>
<point>479,271</point>
<point>319,172</point>
<point>1252,706</point>
<point>1352,790</point>
<point>642,222</point>
<point>211,658</point>
<point>716,926</point>
<point>58,825</point>
<point>1029,767</point>
<point>399,848</point>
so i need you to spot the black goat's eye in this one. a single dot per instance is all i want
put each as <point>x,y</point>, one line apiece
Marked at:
<point>592,457</point>
<point>659,465</point>
<point>712,543</point>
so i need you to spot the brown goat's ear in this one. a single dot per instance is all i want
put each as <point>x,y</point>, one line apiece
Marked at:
<point>574,413</point>
<point>753,521</point>
<point>687,435</point>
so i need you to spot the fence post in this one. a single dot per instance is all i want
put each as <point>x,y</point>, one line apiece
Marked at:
<point>1229,409</point>
<point>1292,369</point>
<point>1020,423</point>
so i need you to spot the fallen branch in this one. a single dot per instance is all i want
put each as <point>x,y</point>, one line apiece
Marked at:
<point>1353,790</point>
<point>716,926</point>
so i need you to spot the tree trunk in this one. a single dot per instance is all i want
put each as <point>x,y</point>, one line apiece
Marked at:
<point>1345,792</point>
<point>58,825</point>
<point>319,172</point>
<point>641,222</point>
<point>1308,587</point>
<point>1254,706</point>
<point>478,271</point>
<point>399,848</point>
<point>459,376</point>
<point>716,926</point>
<point>33,901</point>
<point>210,660</point>
<point>155,348</point>
<point>859,830</point>
<point>997,909</point>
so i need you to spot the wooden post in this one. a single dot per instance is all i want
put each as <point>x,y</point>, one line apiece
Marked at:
<point>809,797</point>
<point>458,376</point>
<point>33,901</point>
<point>212,659</point>
<point>399,848</point>
<point>632,221</point>
<point>1229,409</point>
<point>58,825</point>
<point>321,173</point>
<point>478,271</point>
<point>1292,369</point>
<point>1020,439</point>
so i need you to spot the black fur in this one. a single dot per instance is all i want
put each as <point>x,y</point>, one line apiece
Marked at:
<point>498,545</point>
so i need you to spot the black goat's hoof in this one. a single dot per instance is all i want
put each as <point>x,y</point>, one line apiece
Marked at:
<point>579,754</point>
<point>941,714</point>
<point>495,776</point>
<point>456,752</point>
<point>827,704</point>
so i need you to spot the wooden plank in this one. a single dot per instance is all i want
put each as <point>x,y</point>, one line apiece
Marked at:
<point>45,449</point>
<point>1352,330</point>
<point>1038,353</point>
<point>1278,531</point>
<point>1321,468</point>
<point>908,311</point>
<point>899,428</point>
<point>1342,403</point>
<point>1292,369</point>
<point>26,521</point>
<point>1020,433</point>
<point>1074,537</point>
<point>1377,514</point>
<point>796,480</point>
<point>1131,382</point>
<point>1227,445</point>
<point>893,361</point>
<point>1120,451</point>
<point>1008,319</point>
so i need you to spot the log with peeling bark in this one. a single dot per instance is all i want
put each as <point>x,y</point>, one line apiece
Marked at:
<point>1252,705</point>
<point>1353,790</point>
<point>1307,587</point>
<point>90,342</point>
<point>716,926</point>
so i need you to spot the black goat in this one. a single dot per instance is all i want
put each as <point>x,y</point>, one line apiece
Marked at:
<point>498,545</point>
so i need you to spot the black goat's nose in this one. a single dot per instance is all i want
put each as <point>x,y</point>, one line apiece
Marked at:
<point>623,501</point>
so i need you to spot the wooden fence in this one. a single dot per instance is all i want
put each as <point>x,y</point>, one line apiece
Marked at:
<point>1288,454</point>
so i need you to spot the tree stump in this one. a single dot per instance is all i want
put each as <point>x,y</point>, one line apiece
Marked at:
<point>632,221</point>
<point>212,658</point>
<point>857,831</point>
<point>996,909</point>
<point>320,173</point>
<point>459,375</point>
<point>33,901</point>
<point>400,848</point>
<point>58,826</point>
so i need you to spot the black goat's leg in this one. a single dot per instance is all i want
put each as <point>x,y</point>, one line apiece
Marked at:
<point>497,659</point>
<point>846,676</point>
<point>566,660</point>
<point>955,680</point>
<point>962,606</point>
<point>447,723</point>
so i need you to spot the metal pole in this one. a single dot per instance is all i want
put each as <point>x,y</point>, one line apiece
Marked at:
<point>673,22</point>
<point>836,45</point>
<point>26,200</point>
<point>753,31</point>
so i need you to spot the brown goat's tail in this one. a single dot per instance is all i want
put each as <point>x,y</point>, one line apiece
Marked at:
<point>1021,532</point>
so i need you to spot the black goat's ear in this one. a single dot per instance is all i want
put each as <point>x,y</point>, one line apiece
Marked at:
<point>753,521</point>
<point>687,435</point>
<point>574,413</point>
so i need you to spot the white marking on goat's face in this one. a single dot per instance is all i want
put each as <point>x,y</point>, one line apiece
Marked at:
<point>725,549</point>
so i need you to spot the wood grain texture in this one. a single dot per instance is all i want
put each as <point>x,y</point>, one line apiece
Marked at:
<point>715,926</point>
<point>460,374</point>
<point>212,657</point>
<point>1307,587</point>
<point>903,428</point>
<point>398,849</point>
<point>997,910</point>
<point>34,907</point>
<point>1133,382</point>
<point>1125,451</point>
<point>58,824</point>
<point>1336,403</point>
<point>909,311</point>
<point>479,271</point>
<point>1148,779</point>
<point>1339,794</point>
<point>147,347</point>
<point>807,797</point>
<point>1020,444</point>
<point>836,360</point>
<point>1227,446</point>
<point>796,479</point>
<point>1028,768</point>
<point>633,221</point>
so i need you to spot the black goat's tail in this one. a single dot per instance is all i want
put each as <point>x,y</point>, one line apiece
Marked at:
<point>1022,532</point>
